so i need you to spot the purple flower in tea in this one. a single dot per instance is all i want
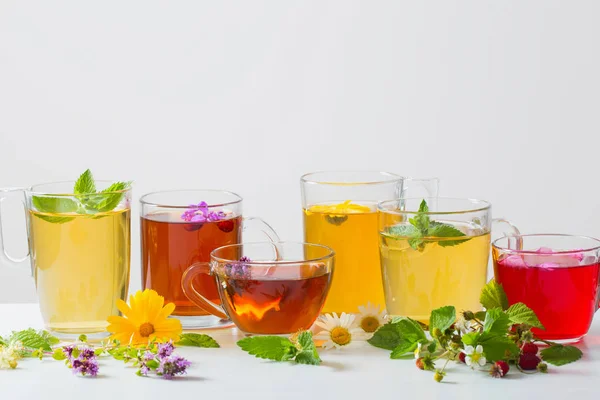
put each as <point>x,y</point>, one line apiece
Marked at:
<point>199,213</point>
<point>171,366</point>
<point>239,269</point>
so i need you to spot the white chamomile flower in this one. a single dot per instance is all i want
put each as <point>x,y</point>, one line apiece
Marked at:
<point>418,351</point>
<point>474,356</point>
<point>371,317</point>
<point>339,329</point>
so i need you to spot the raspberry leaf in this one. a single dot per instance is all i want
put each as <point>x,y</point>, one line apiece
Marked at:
<point>442,318</point>
<point>496,322</point>
<point>560,355</point>
<point>493,296</point>
<point>519,313</point>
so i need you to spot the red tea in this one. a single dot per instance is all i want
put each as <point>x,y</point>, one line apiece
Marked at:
<point>170,245</point>
<point>272,303</point>
<point>563,294</point>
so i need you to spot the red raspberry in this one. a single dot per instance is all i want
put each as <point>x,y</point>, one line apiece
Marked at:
<point>226,225</point>
<point>420,363</point>
<point>461,357</point>
<point>499,369</point>
<point>528,361</point>
<point>529,348</point>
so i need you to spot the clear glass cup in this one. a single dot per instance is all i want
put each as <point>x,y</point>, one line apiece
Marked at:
<point>554,275</point>
<point>171,242</point>
<point>340,211</point>
<point>266,288</point>
<point>435,257</point>
<point>79,249</point>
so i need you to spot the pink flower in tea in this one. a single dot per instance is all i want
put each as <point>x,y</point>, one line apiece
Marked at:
<point>199,213</point>
<point>548,258</point>
<point>514,261</point>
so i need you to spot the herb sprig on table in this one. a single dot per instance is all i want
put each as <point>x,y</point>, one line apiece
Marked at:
<point>86,200</point>
<point>501,336</point>
<point>300,348</point>
<point>422,227</point>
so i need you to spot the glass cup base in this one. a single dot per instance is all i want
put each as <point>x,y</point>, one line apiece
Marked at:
<point>203,322</point>
<point>564,341</point>
<point>73,336</point>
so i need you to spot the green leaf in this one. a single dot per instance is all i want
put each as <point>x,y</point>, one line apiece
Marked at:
<point>82,338</point>
<point>99,351</point>
<point>107,199</point>
<point>471,338</point>
<point>442,318</point>
<point>34,340</point>
<point>417,243</point>
<point>403,230</point>
<point>497,347</point>
<point>2,342</point>
<point>560,355</point>
<point>269,347</point>
<point>308,354</point>
<point>405,346</point>
<point>480,315</point>
<point>439,230</point>
<point>85,183</point>
<point>197,340</point>
<point>55,204</point>
<point>386,337</point>
<point>152,364</point>
<point>54,220</point>
<point>432,346</point>
<point>496,322</point>
<point>493,296</point>
<point>519,313</point>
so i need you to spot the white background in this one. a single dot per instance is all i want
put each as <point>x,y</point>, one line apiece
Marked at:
<point>499,99</point>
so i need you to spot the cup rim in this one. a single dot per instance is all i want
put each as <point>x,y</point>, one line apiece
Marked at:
<point>145,202</point>
<point>331,253</point>
<point>486,206</point>
<point>574,251</point>
<point>393,178</point>
<point>31,189</point>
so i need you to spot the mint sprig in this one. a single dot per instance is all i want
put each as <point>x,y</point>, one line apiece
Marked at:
<point>422,227</point>
<point>86,200</point>
<point>302,350</point>
<point>197,340</point>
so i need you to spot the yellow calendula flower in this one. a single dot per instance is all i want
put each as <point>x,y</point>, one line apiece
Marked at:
<point>143,319</point>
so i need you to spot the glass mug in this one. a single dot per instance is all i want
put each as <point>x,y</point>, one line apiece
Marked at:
<point>80,261</point>
<point>173,240</point>
<point>266,288</point>
<point>340,211</point>
<point>554,275</point>
<point>445,265</point>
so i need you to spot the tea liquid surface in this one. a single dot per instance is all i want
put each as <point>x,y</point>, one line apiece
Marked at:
<point>563,298</point>
<point>81,267</point>
<point>352,233</point>
<point>274,304</point>
<point>416,282</point>
<point>170,245</point>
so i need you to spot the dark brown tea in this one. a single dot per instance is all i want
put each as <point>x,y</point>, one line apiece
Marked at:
<point>275,302</point>
<point>170,245</point>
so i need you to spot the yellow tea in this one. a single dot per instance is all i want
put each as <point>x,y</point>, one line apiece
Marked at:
<point>438,272</point>
<point>351,231</point>
<point>81,266</point>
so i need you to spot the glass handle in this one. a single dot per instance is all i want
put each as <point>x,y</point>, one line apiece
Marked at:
<point>262,226</point>
<point>510,231</point>
<point>4,256</point>
<point>420,187</point>
<point>187,284</point>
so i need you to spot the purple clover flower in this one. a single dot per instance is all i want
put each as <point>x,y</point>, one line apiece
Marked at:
<point>86,363</point>
<point>171,366</point>
<point>68,351</point>
<point>200,212</point>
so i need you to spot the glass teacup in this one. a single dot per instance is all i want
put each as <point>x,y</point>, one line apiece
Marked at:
<point>554,275</point>
<point>266,288</point>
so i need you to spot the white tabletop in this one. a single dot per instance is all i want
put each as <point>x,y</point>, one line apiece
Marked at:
<point>362,372</point>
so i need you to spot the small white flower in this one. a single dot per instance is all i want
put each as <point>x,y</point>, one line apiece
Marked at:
<point>463,325</point>
<point>339,329</point>
<point>418,351</point>
<point>10,354</point>
<point>474,356</point>
<point>371,317</point>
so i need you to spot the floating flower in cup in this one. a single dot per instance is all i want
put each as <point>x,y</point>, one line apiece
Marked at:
<point>144,319</point>
<point>200,212</point>
<point>474,356</point>
<point>371,317</point>
<point>339,329</point>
